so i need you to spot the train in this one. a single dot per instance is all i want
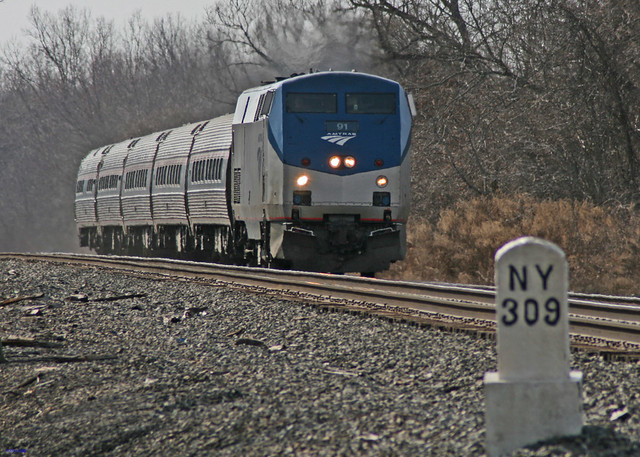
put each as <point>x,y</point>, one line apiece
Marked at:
<point>310,172</point>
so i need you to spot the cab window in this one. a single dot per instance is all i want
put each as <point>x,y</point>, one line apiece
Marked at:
<point>312,103</point>
<point>371,103</point>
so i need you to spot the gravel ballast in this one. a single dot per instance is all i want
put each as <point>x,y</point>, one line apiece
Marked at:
<point>146,366</point>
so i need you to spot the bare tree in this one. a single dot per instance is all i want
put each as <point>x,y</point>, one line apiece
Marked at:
<point>534,96</point>
<point>80,84</point>
<point>280,37</point>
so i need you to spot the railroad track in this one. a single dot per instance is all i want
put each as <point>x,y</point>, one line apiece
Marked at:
<point>603,322</point>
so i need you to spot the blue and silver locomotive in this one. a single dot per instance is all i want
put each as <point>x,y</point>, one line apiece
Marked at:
<point>310,172</point>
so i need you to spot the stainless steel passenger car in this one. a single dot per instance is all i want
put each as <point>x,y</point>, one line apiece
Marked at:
<point>85,201</point>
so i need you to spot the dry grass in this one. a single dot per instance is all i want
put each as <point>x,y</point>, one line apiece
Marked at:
<point>602,244</point>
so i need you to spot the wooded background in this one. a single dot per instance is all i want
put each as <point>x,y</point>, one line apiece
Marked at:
<point>515,97</point>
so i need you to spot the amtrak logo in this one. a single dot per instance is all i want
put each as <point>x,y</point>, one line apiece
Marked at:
<point>337,138</point>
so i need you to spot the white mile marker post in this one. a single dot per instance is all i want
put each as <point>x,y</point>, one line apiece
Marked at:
<point>533,396</point>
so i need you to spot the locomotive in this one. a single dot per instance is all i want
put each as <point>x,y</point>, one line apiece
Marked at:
<point>311,172</point>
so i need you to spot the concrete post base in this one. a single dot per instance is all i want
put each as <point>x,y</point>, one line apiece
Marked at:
<point>519,413</point>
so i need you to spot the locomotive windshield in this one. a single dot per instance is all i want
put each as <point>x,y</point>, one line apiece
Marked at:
<point>312,103</point>
<point>371,103</point>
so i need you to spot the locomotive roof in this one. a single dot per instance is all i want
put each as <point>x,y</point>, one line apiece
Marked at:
<point>249,103</point>
<point>321,74</point>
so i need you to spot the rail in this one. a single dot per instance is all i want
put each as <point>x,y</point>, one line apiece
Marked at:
<point>614,320</point>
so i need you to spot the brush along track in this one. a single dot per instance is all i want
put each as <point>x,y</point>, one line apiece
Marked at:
<point>603,323</point>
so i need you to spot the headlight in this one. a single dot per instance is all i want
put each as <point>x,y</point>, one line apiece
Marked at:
<point>382,181</point>
<point>302,180</point>
<point>349,162</point>
<point>335,162</point>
